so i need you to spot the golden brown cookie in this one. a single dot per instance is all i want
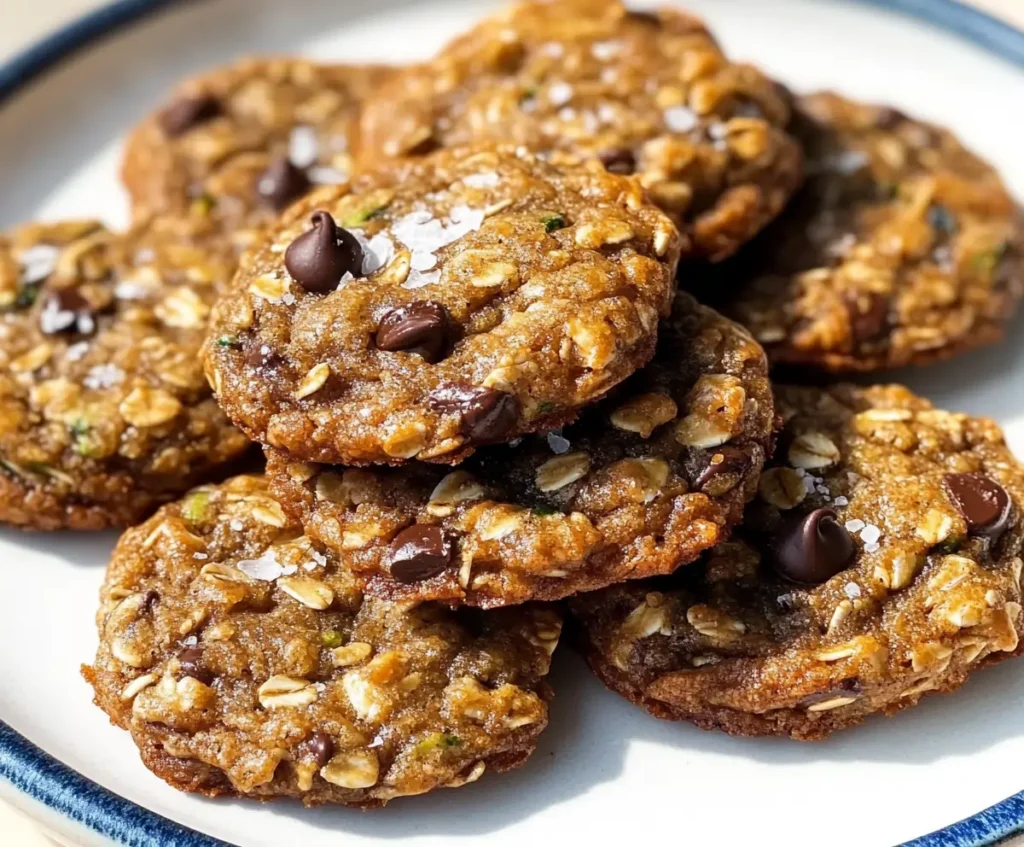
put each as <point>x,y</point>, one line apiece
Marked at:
<point>645,93</point>
<point>881,561</point>
<point>903,248</point>
<point>104,409</point>
<point>640,485</point>
<point>244,661</point>
<point>232,148</point>
<point>437,304</point>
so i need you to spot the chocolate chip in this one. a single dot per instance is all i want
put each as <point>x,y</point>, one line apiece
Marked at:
<point>725,467</point>
<point>261,356</point>
<point>813,548</point>
<point>869,315</point>
<point>191,661</point>
<point>983,502</point>
<point>282,183</point>
<point>620,160</point>
<point>188,112</point>
<point>322,255</point>
<point>421,327</point>
<point>65,310</point>
<point>321,746</point>
<point>419,553</point>
<point>149,600</point>
<point>486,415</point>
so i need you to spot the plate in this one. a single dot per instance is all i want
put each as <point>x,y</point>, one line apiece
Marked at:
<point>604,770</point>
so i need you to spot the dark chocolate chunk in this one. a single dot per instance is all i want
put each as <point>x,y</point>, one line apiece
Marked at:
<point>188,112</point>
<point>421,327</point>
<point>486,415</point>
<point>282,183</point>
<point>813,548</point>
<point>322,255</point>
<point>419,553</point>
<point>982,501</point>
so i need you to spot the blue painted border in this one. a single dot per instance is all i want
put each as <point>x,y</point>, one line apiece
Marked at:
<point>69,793</point>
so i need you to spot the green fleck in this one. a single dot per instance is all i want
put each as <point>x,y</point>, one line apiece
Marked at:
<point>438,741</point>
<point>529,93</point>
<point>553,223</point>
<point>330,638</point>
<point>887,190</point>
<point>362,216</point>
<point>543,510</point>
<point>202,205</point>
<point>193,509</point>
<point>27,295</point>
<point>988,260</point>
<point>545,408</point>
<point>82,444</point>
<point>950,545</point>
<point>227,341</point>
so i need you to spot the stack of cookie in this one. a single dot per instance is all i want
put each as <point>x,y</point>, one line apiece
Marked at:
<point>452,304</point>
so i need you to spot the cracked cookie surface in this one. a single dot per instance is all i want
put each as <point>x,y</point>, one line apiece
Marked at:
<point>641,484</point>
<point>244,661</point>
<point>903,247</point>
<point>645,93</point>
<point>232,148</point>
<point>438,304</point>
<point>879,562</point>
<point>104,408</point>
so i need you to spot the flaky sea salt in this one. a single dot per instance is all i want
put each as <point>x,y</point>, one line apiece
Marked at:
<point>265,568</point>
<point>558,443</point>
<point>855,525</point>
<point>103,376</point>
<point>560,93</point>
<point>605,50</point>
<point>870,534</point>
<point>303,146</point>
<point>76,352</point>
<point>484,180</point>
<point>852,590</point>
<point>680,119</point>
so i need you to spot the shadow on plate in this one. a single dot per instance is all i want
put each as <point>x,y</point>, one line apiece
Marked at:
<point>89,549</point>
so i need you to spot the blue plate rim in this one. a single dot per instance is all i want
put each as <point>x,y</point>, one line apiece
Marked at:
<point>73,796</point>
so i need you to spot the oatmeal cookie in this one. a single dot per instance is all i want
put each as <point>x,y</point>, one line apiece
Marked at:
<point>442,303</point>
<point>234,147</point>
<point>644,93</point>
<point>641,484</point>
<point>244,661</point>
<point>880,561</point>
<point>903,248</point>
<point>104,409</point>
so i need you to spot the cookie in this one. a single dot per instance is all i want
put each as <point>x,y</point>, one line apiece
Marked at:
<point>234,147</point>
<point>244,661</point>
<point>641,484</point>
<point>104,408</point>
<point>903,248</point>
<point>438,304</point>
<point>644,93</point>
<point>880,561</point>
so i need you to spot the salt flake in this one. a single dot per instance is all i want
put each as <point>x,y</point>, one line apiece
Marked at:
<point>265,568</point>
<point>855,525</point>
<point>38,262</point>
<point>560,93</point>
<point>303,146</point>
<point>558,443</point>
<point>680,119</point>
<point>485,180</point>
<point>103,376</point>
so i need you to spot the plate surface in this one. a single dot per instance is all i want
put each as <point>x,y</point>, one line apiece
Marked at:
<point>604,770</point>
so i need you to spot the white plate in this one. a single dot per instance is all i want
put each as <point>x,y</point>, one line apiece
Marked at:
<point>604,769</point>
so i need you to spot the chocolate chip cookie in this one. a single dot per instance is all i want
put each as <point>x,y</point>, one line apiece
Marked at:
<point>641,484</point>
<point>644,93</point>
<point>903,248</point>
<point>234,147</point>
<point>104,409</point>
<point>437,304</point>
<point>880,561</point>
<point>244,660</point>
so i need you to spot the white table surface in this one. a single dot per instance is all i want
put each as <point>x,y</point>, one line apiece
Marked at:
<point>24,21</point>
